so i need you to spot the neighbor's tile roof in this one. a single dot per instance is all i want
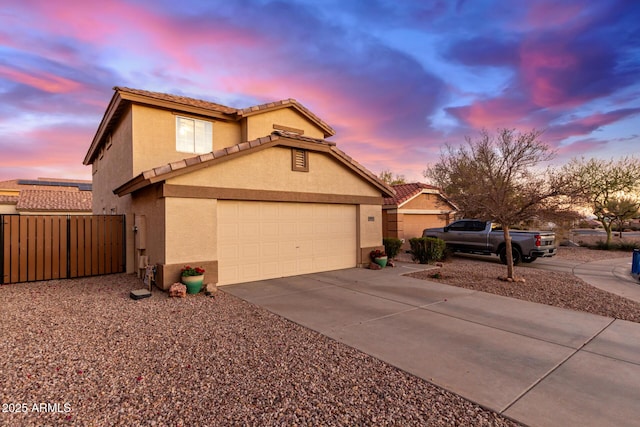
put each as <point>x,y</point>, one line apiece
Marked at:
<point>405,192</point>
<point>9,200</point>
<point>54,200</point>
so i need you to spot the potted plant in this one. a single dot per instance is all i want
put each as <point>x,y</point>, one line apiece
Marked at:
<point>379,257</point>
<point>192,277</point>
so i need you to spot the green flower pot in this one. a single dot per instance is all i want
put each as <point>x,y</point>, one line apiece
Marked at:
<point>381,261</point>
<point>193,283</point>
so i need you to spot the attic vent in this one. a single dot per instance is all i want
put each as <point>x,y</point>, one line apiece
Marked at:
<point>299,160</point>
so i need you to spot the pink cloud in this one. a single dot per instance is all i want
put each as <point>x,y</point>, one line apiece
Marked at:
<point>54,151</point>
<point>495,113</point>
<point>44,81</point>
<point>540,67</point>
<point>552,14</point>
<point>156,34</point>
<point>587,125</point>
<point>578,148</point>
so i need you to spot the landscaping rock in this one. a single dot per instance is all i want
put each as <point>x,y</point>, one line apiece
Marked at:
<point>374,266</point>
<point>178,290</point>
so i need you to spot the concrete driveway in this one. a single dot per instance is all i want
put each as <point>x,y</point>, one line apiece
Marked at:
<point>540,365</point>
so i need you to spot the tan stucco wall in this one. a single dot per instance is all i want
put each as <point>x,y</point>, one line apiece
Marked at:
<point>413,225</point>
<point>262,124</point>
<point>8,209</point>
<point>370,232</point>
<point>270,169</point>
<point>191,226</point>
<point>154,131</point>
<point>226,134</point>
<point>428,202</point>
<point>147,205</point>
<point>113,169</point>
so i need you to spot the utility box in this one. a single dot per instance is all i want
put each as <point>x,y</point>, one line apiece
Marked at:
<point>635,263</point>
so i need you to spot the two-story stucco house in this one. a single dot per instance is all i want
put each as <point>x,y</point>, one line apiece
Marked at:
<point>248,194</point>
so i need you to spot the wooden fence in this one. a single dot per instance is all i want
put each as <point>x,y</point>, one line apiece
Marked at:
<point>44,247</point>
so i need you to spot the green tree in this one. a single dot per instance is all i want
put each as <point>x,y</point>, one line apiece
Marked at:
<point>605,186</point>
<point>499,178</point>
<point>622,209</point>
<point>391,179</point>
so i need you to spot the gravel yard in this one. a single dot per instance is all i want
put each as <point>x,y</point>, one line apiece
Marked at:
<point>81,352</point>
<point>95,357</point>
<point>544,287</point>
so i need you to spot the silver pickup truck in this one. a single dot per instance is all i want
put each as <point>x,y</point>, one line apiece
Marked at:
<point>483,237</point>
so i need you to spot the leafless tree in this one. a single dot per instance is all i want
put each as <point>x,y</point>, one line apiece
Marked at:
<point>501,178</point>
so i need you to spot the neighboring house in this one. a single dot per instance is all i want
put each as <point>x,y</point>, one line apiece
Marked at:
<point>414,207</point>
<point>248,194</point>
<point>45,196</point>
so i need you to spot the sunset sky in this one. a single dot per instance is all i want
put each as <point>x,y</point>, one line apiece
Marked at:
<point>396,79</point>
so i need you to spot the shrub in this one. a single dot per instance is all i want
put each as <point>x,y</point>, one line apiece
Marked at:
<point>628,246</point>
<point>427,249</point>
<point>392,246</point>
<point>621,246</point>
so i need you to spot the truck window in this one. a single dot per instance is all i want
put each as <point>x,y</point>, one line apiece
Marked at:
<point>479,225</point>
<point>458,226</point>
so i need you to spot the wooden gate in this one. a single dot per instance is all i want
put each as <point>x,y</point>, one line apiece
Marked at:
<point>44,247</point>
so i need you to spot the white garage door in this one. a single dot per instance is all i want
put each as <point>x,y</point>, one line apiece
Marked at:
<point>264,240</point>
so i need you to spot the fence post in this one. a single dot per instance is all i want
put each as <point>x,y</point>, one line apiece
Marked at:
<point>68,254</point>
<point>124,243</point>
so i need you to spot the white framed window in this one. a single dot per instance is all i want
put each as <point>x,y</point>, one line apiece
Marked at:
<point>193,135</point>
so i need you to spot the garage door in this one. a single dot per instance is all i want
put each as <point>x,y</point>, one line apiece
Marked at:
<point>264,240</point>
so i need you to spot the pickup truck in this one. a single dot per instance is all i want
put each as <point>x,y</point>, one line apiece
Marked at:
<point>485,238</point>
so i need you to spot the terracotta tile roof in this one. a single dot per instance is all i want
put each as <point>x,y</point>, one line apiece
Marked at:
<point>11,184</point>
<point>200,103</point>
<point>9,200</point>
<point>156,174</point>
<point>54,200</point>
<point>169,167</point>
<point>184,100</point>
<point>405,192</point>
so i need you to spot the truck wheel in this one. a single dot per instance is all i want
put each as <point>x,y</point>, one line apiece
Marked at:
<point>529,259</point>
<point>517,256</point>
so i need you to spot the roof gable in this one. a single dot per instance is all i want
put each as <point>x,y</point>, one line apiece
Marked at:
<point>406,192</point>
<point>288,103</point>
<point>277,138</point>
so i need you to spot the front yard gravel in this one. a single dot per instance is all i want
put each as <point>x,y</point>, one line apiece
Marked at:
<point>545,287</point>
<point>81,352</point>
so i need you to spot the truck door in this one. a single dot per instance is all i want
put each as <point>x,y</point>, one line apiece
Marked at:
<point>461,235</point>
<point>478,235</point>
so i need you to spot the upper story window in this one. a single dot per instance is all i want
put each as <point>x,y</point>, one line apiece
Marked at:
<point>193,135</point>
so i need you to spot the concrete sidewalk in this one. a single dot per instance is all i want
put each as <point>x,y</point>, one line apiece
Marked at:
<point>540,365</point>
